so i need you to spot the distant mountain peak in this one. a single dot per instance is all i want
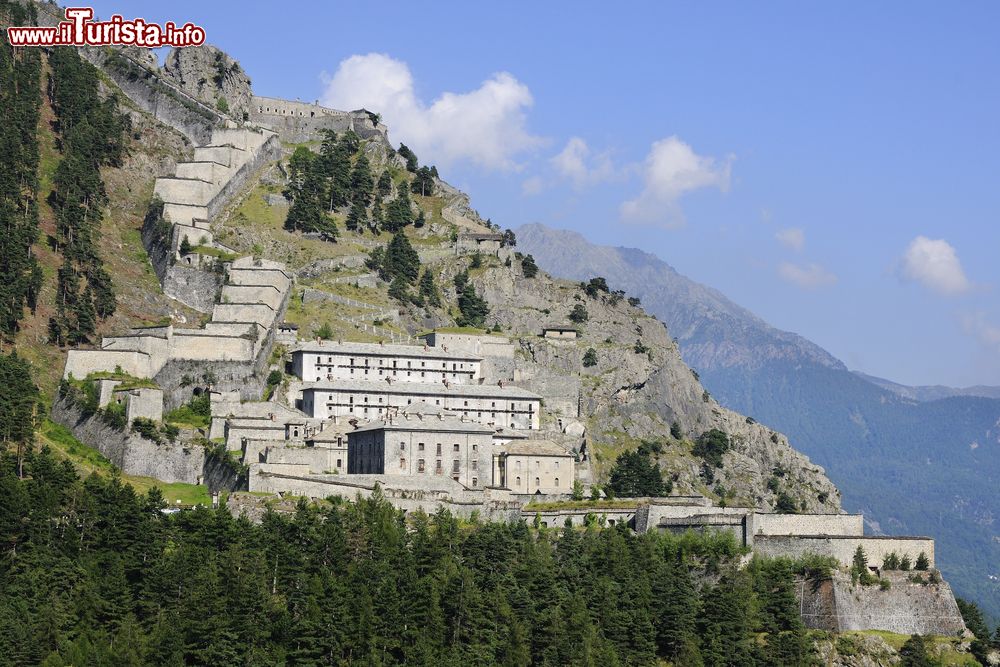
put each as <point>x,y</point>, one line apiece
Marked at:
<point>694,313</point>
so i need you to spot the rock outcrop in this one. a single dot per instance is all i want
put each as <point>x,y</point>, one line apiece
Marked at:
<point>211,76</point>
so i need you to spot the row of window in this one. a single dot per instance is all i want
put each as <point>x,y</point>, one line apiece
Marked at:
<point>455,447</point>
<point>538,464</point>
<point>395,364</point>
<point>538,482</point>
<point>439,466</point>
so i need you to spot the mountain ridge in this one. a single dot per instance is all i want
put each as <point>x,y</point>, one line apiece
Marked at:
<point>918,466</point>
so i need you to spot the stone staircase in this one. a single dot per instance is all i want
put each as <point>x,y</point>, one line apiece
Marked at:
<point>200,189</point>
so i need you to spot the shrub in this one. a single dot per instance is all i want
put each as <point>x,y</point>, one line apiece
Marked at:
<point>711,445</point>
<point>579,314</point>
<point>325,331</point>
<point>590,358</point>
<point>147,429</point>
<point>923,563</point>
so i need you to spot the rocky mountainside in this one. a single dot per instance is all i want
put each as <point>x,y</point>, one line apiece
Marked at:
<point>882,446</point>
<point>638,387</point>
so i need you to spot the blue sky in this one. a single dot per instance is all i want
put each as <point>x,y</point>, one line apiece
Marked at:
<point>832,166</point>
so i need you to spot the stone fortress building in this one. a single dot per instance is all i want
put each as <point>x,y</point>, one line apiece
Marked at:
<point>436,425</point>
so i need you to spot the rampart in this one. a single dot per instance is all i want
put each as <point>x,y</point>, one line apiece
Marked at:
<point>905,607</point>
<point>843,547</point>
<point>296,122</point>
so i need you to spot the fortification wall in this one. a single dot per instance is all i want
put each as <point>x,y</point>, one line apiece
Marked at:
<point>244,312</point>
<point>479,345</point>
<point>191,191</point>
<point>843,548</point>
<point>297,122</point>
<point>81,363</point>
<point>404,493</point>
<point>266,294</point>
<point>578,517</point>
<point>194,344</point>
<point>193,287</point>
<point>129,452</point>
<point>905,608</point>
<point>144,402</point>
<point>213,172</point>
<point>269,150</point>
<point>805,524</point>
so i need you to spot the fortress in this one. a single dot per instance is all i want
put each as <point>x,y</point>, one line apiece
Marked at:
<point>442,424</point>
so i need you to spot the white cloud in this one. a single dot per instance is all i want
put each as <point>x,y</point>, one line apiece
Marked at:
<point>671,170</point>
<point>572,163</point>
<point>808,276</point>
<point>934,264</point>
<point>792,237</point>
<point>486,126</point>
<point>532,186</point>
<point>987,333</point>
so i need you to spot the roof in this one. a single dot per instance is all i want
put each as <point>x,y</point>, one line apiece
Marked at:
<point>256,410</point>
<point>418,422</point>
<point>288,325</point>
<point>558,327</point>
<point>535,447</point>
<point>423,389</point>
<point>416,351</point>
<point>332,429</point>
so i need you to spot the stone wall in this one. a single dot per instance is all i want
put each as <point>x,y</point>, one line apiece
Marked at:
<point>805,524</point>
<point>905,608</point>
<point>296,122</point>
<point>842,548</point>
<point>129,452</point>
<point>407,494</point>
<point>81,363</point>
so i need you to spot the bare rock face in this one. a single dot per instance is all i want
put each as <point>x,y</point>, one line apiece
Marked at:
<point>638,388</point>
<point>211,76</point>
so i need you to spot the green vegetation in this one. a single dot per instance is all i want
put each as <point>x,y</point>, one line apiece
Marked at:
<point>528,267</point>
<point>579,314</point>
<point>196,414</point>
<point>20,99</point>
<point>357,583</point>
<point>636,473</point>
<point>590,358</point>
<point>92,134</point>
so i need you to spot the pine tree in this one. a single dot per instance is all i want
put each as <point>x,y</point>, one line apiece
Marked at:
<point>429,290</point>
<point>473,307</point>
<point>357,218</point>
<point>399,213</point>
<point>410,157</point>
<point>914,653</point>
<point>423,182</point>
<point>590,357</point>
<point>362,184</point>
<point>528,267</point>
<point>384,187</point>
<point>401,259</point>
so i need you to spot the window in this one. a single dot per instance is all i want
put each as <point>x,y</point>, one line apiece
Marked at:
<point>465,403</point>
<point>402,446</point>
<point>454,447</point>
<point>402,464</point>
<point>340,463</point>
<point>475,448</point>
<point>420,465</point>
<point>517,464</point>
<point>538,464</point>
<point>475,464</point>
<point>454,465</point>
<point>557,482</point>
<point>420,446</point>
<point>517,482</point>
<point>438,468</point>
<point>439,449</point>
<point>493,404</point>
<point>556,464</point>
<point>538,482</point>
<point>475,481</point>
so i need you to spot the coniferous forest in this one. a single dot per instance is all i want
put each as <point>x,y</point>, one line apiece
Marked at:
<point>92,133</point>
<point>20,99</point>
<point>92,573</point>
